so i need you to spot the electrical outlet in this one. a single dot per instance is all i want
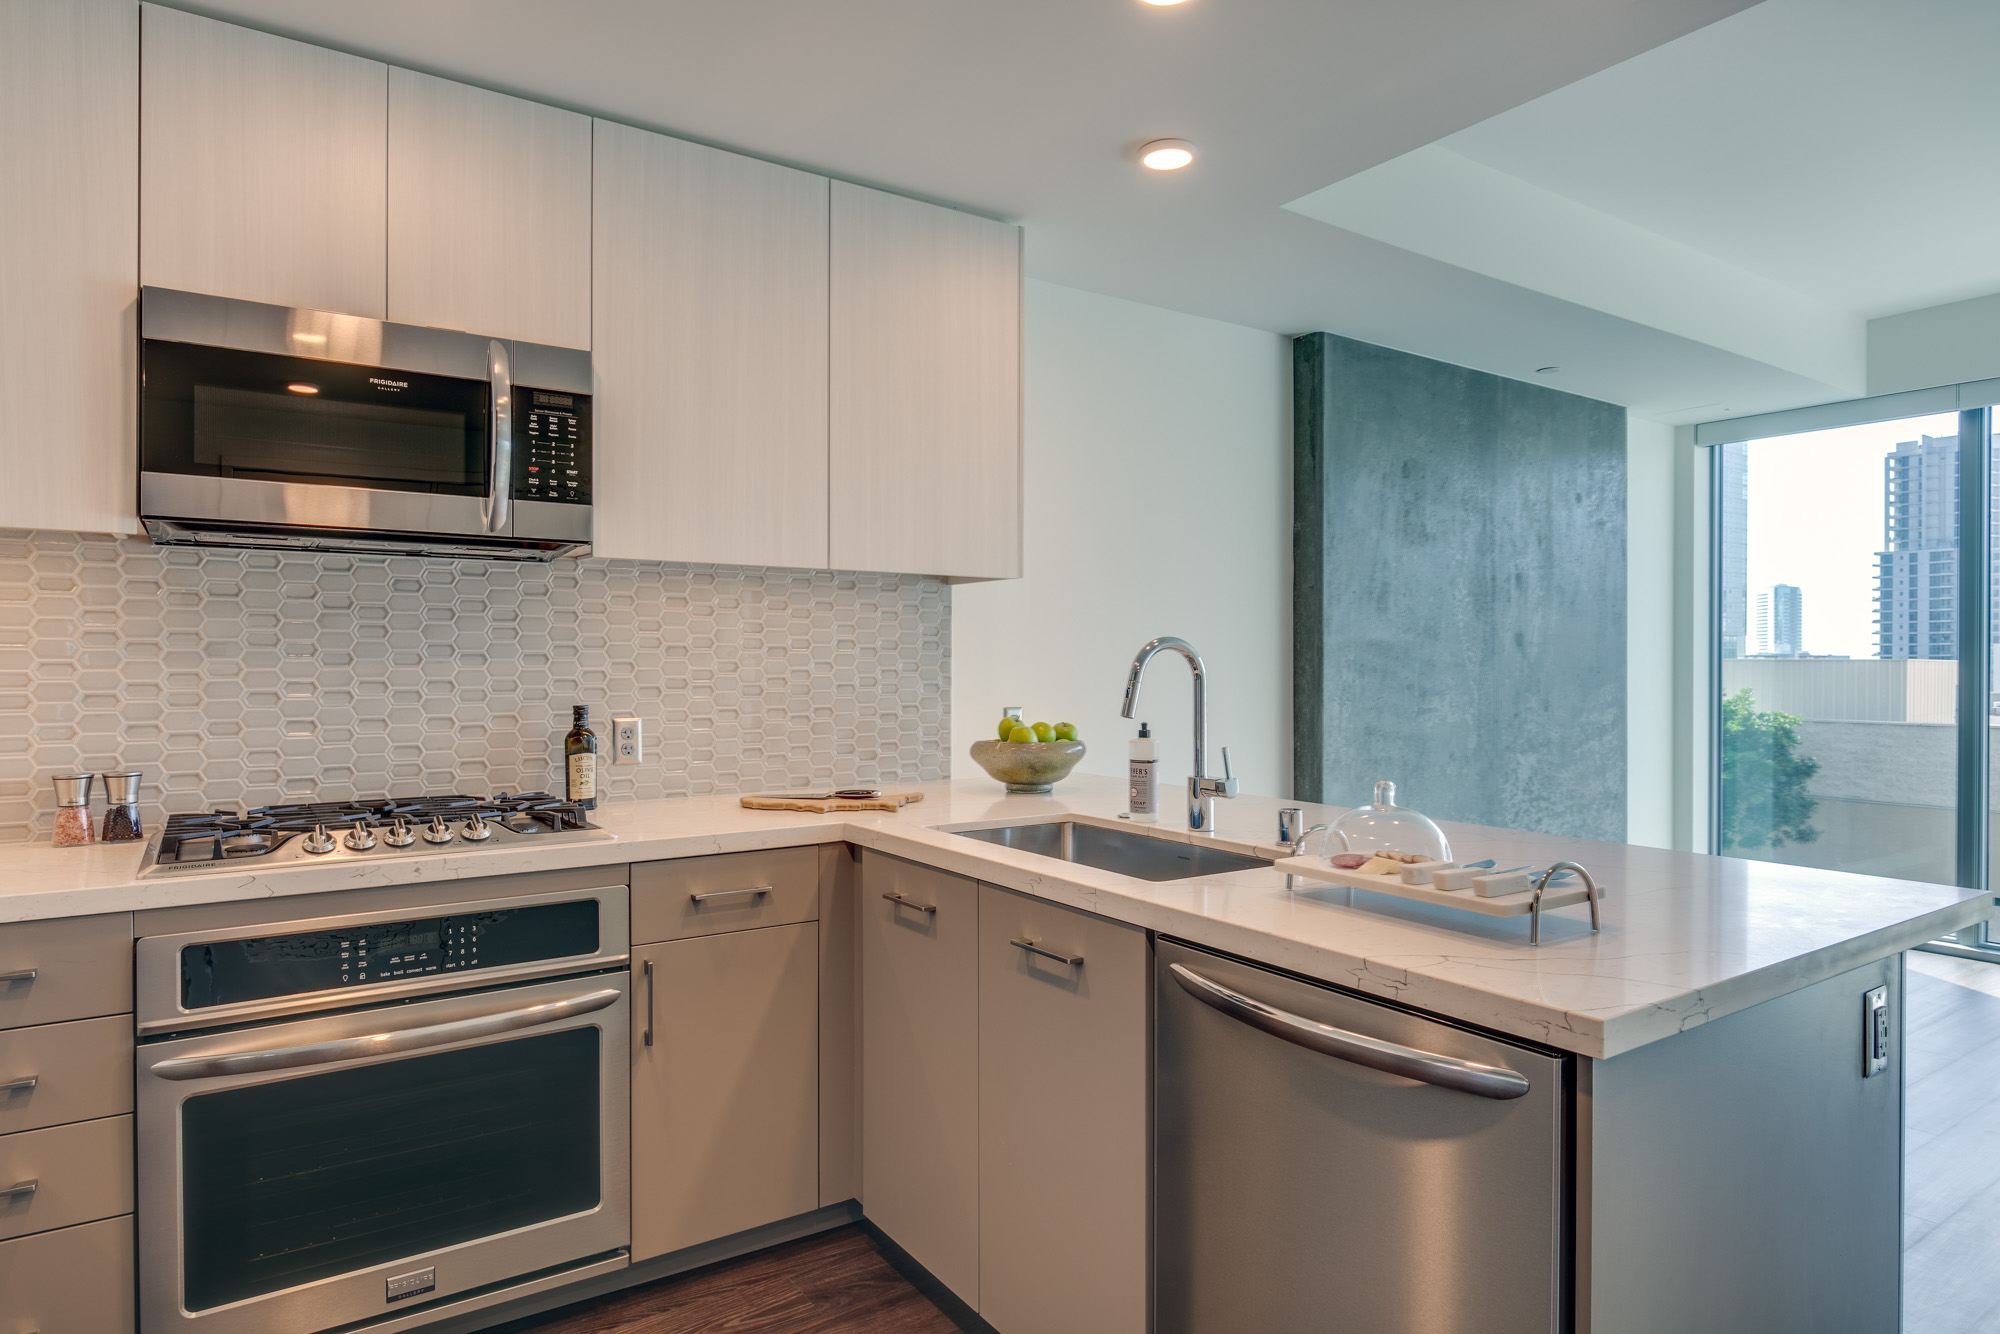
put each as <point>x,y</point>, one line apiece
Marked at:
<point>626,744</point>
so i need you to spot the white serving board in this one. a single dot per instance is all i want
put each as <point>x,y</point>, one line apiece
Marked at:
<point>1507,905</point>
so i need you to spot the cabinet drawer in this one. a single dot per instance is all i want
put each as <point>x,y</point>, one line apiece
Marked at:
<point>81,1173</point>
<point>82,1071</point>
<point>701,896</point>
<point>76,1281</point>
<point>82,967</point>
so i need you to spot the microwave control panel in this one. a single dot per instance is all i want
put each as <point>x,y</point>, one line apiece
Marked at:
<point>229,972</point>
<point>552,446</point>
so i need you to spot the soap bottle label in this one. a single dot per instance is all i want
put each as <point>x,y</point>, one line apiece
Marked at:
<point>1143,800</point>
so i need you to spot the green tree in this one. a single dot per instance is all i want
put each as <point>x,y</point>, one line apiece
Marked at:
<point>1764,801</point>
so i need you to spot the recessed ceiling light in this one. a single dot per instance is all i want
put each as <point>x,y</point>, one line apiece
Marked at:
<point>1547,370</point>
<point>1166,154</point>
<point>301,387</point>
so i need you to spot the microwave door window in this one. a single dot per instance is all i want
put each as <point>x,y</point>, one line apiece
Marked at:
<point>287,436</point>
<point>222,412</point>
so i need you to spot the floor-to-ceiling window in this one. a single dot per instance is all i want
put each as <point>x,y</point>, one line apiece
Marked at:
<point>1855,605</point>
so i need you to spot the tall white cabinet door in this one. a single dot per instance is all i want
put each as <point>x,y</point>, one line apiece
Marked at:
<point>69,212</point>
<point>709,348</point>
<point>920,1065</point>
<point>725,1099</point>
<point>489,212</point>
<point>1063,1119</point>
<point>925,423</point>
<point>263,167</point>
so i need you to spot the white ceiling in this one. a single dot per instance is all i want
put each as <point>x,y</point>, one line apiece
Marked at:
<point>1030,110</point>
<point>1764,187</point>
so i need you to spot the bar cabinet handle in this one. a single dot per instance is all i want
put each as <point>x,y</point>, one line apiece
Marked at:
<point>1073,960</point>
<point>911,904</point>
<point>19,1188</point>
<point>21,1085</point>
<point>758,890</point>
<point>22,975</point>
<point>649,1002</point>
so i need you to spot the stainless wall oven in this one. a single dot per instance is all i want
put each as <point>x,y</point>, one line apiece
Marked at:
<point>358,1121</point>
<point>263,426</point>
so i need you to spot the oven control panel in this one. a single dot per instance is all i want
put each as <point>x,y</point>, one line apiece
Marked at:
<point>229,972</point>
<point>552,447</point>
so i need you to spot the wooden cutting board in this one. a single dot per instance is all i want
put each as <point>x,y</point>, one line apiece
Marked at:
<point>778,801</point>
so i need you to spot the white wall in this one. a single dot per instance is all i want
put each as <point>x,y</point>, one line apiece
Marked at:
<point>1158,490</point>
<point>1649,632</point>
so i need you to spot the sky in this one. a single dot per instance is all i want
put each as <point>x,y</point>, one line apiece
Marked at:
<point>1816,521</point>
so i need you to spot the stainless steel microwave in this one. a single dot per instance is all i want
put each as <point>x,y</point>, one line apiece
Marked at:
<point>266,426</point>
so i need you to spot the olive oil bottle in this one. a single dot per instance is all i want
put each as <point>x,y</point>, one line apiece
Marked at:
<point>580,750</point>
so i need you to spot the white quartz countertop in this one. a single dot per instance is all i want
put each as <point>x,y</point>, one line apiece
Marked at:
<point>1686,939</point>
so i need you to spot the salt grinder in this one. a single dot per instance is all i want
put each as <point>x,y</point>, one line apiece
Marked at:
<point>121,814</point>
<point>73,810</point>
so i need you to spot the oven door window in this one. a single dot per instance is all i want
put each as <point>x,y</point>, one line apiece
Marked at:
<point>219,412</point>
<point>312,1177</point>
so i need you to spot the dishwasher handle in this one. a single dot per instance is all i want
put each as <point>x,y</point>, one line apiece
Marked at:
<point>1487,1081</point>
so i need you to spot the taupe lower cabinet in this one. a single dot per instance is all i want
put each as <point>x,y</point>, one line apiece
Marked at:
<point>1004,1093</point>
<point>920,1065</point>
<point>725,1053</point>
<point>1063,1124</point>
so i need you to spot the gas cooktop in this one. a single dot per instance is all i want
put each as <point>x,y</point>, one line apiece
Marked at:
<point>325,831</point>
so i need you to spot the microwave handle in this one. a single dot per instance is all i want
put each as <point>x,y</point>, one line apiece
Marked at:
<point>498,511</point>
<point>383,1044</point>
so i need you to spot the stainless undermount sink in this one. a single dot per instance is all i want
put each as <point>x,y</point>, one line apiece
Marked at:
<point>1141,856</point>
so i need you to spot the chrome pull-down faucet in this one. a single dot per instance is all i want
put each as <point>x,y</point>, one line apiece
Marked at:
<point>1202,790</point>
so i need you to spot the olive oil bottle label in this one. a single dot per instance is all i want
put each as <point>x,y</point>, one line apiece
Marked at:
<point>582,777</point>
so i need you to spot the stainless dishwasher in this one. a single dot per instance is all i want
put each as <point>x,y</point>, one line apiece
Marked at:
<point>1331,1165</point>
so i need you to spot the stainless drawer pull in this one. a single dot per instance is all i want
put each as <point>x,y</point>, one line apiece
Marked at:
<point>383,1044</point>
<point>911,904</point>
<point>1488,1081</point>
<point>649,1002</point>
<point>1073,960</point>
<point>19,1188</point>
<point>24,975</point>
<point>759,891</point>
<point>21,1085</point>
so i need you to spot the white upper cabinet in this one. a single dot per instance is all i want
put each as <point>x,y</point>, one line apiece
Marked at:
<point>925,426</point>
<point>709,345</point>
<point>69,210</point>
<point>489,212</point>
<point>264,167</point>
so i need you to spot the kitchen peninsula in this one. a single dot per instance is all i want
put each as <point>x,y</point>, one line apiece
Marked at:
<point>1715,1020</point>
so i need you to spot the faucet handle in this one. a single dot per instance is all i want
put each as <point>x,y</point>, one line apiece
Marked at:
<point>1224,786</point>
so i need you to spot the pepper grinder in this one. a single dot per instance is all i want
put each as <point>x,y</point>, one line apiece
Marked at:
<point>121,813</point>
<point>73,810</point>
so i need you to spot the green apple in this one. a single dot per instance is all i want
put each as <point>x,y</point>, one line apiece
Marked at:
<point>1021,734</point>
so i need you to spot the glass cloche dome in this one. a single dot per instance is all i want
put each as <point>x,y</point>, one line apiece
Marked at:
<point>1387,827</point>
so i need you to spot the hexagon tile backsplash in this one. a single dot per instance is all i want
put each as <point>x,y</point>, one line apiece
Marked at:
<point>255,676</point>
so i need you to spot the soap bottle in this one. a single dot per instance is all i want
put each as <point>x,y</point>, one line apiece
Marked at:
<point>1143,797</point>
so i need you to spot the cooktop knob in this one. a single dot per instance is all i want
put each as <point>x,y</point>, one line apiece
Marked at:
<point>476,830</point>
<point>360,838</point>
<point>318,840</point>
<point>399,834</point>
<point>437,831</point>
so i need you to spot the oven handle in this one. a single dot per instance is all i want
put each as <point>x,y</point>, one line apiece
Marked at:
<point>383,1044</point>
<point>498,509</point>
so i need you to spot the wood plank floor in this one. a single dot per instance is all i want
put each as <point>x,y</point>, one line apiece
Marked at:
<point>1951,1155</point>
<point>834,1283</point>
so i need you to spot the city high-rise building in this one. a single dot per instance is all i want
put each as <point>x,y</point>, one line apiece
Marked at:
<point>1779,631</point>
<point>1916,575</point>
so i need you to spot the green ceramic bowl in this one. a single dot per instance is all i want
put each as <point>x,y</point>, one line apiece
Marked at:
<point>1028,766</point>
